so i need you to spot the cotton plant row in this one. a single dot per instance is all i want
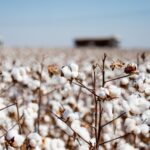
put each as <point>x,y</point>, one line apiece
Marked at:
<point>98,105</point>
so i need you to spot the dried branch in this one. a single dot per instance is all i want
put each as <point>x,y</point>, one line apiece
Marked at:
<point>103,70</point>
<point>118,78</point>
<point>114,139</point>
<point>114,119</point>
<point>7,106</point>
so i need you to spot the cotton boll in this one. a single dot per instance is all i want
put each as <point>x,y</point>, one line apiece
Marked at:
<point>66,114</point>
<point>146,116</point>
<point>35,139</point>
<point>19,140</point>
<point>103,93</point>
<point>15,139</point>
<point>124,81</point>
<point>74,74</point>
<point>147,90</point>
<point>83,132</point>
<point>129,125</point>
<point>66,90</point>
<point>43,130</point>
<point>125,146</point>
<point>108,108</point>
<point>81,76</point>
<point>64,127</point>
<point>66,72</point>
<point>125,106</point>
<point>137,130</point>
<point>16,74</point>
<point>11,134</point>
<point>74,67</point>
<point>57,144</point>
<point>70,115</point>
<point>145,129</point>
<point>114,91</point>
<point>142,87</point>
<point>6,77</point>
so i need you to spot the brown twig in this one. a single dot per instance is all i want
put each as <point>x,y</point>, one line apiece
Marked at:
<point>103,70</point>
<point>113,119</point>
<point>7,106</point>
<point>114,139</point>
<point>100,122</point>
<point>18,117</point>
<point>95,102</point>
<point>118,78</point>
<point>40,97</point>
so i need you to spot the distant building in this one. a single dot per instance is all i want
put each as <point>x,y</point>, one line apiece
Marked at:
<point>97,42</point>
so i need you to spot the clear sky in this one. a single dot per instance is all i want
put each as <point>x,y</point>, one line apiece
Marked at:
<point>56,23</point>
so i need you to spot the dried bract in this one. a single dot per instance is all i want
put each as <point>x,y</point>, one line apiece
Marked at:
<point>117,64</point>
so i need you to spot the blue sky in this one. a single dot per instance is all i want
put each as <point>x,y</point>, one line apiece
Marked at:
<point>56,23</point>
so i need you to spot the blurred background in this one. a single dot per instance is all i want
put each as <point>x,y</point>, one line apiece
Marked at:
<point>55,23</point>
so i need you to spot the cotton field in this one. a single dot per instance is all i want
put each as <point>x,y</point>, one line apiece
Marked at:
<point>74,100</point>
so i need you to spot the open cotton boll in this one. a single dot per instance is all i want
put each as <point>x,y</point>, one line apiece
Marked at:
<point>57,144</point>
<point>147,90</point>
<point>70,115</point>
<point>83,132</point>
<point>125,106</point>
<point>15,139</point>
<point>125,146</point>
<point>129,124</point>
<point>11,134</point>
<point>64,127</point>
<point>81,76</point>
<point>114,91</point>
<point>103,93</point>
<point>35,139</point>
<point>16,74</point>
<point>142,87</point>
<point>6,76</point>
<point>108,108</point>
<point>43,130</point>
<point>145,129</point>
<point>74,74</point>
<point>74,67</point>
<point>146,116</point>
<point>66,72</point>
<point>124,81</point>
<point>34,84</point>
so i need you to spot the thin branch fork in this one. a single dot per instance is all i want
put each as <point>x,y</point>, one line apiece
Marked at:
<point>113,119</point>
